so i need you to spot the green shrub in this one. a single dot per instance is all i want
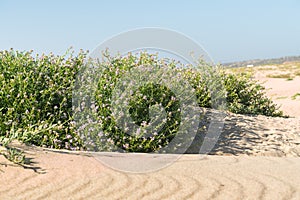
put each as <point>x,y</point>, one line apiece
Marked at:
<point>147,95</point>
<point>241,94</point>
<point>246,96</point>
<point>36,100</point>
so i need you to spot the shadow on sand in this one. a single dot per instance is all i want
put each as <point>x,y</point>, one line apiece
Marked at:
<point>234,131</point>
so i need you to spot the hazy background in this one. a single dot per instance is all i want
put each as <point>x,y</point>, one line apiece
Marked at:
<point>229,30</point>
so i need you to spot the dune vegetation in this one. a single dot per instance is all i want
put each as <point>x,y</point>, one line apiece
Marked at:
<point>36,105</point>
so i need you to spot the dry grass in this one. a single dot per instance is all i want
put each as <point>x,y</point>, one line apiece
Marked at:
<point>284,97</point>
<point>287,76</point>
<point>288,70</point>
<point>294,97</point>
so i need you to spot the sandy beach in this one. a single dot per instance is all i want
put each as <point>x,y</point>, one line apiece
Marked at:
<point>256,157</point>
<point>66,176</point>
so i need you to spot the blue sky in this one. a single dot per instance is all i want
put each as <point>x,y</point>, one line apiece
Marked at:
<point>229,30</point>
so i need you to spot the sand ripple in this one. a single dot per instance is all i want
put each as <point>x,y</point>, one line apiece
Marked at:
<point>191,177</point>
<point>263,164</point>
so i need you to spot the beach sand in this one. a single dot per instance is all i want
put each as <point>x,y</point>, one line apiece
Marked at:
<point>67,176</point>
<point>281,90</point>
<point>256,157</point>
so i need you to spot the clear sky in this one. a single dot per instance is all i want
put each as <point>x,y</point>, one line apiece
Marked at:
<point>229,30</point>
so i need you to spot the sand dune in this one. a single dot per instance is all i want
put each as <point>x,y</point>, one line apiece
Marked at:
<point>281,90</point>
<point>65,176</point>
<point>256,157</point>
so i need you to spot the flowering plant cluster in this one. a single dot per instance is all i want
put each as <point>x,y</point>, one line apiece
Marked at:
<point>37,103</point>
<point>147,117</point>
<point>36,98</point>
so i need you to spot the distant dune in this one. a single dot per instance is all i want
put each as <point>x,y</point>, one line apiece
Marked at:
<point>258,62</point>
